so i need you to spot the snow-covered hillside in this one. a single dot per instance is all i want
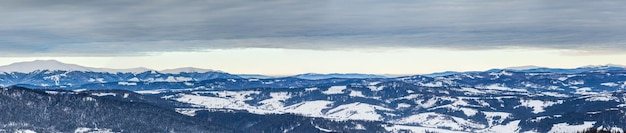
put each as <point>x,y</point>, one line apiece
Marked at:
<point>416,107</point>
<point>521,99</point>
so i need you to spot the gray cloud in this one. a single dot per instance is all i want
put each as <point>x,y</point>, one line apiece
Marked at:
<point>122,27</point>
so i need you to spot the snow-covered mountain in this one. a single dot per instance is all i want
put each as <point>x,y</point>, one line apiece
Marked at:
<point>490,101</point>
<point>53,65</point>
<point>415,106</point>
<point>73,79</point>
<point>38,65</point>
<point>54,74</point>
<point>114,111</point>
<point>523,99</point>
<point>27,111</point>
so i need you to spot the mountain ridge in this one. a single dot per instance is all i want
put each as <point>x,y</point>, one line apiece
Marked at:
<point>52,65</point>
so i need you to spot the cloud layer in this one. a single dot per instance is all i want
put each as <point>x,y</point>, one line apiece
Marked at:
<point>123,27</point>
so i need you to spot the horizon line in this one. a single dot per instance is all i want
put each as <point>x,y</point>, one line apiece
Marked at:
<point>322,73</point>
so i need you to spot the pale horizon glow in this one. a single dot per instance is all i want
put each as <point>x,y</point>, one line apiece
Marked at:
<point>403,37</point>
<point>281,62</point>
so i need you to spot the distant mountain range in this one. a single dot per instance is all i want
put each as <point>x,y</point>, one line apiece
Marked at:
<point>518,99</point>
<point>535,69</point>
<point>38,65</point>
<point>315,76</point>
<point>53,65</point>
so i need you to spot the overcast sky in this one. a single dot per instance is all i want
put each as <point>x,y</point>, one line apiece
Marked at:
<point>288,37</point>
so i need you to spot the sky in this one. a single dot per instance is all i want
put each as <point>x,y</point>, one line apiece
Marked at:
<point>283,37</point>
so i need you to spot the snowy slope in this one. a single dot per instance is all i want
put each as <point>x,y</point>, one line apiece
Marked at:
<point>418,108</point>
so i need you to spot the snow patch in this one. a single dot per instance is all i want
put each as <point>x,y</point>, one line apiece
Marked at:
<point>612,129</point>
<point>498,74</point>
<point>335,90</point>
<point>430,103</point>
<point>416,129</point>
<point>276,102</point>
<point>538,119</point>
<point>435,84</point>
<point>52,92</point>
<point>436,120</point>
<point>354,93</point>
<point>98,80</point>
<point>511,127</point>
<point>134,79</point>
<point>311,89</point>
<point>25,131</point>
<point>357,111</point>
<point>376,88</point>
<point>212,102</point>
<point>567,128</point>
<point>310,108</point>
<point>496,118</point>
<point>177,79</point>
<point>554,94</point>
<point>359,127</point>
<point>322,129</point>
<point>149,91</point>
<point>374,83</point>
<point>500,87</point>
<point>89,99</point>
<point>578,82</point>
<point>187,111</point>
<point>403,105</point>
<point>601,97</point>
<point>188,83</point>
<point>584,91</point>
<point>92,130</point>
<point>610,84</point>
<point>468,111</point>
<point>126,83</point>
<point>537,105</point>
<point>103,94</point>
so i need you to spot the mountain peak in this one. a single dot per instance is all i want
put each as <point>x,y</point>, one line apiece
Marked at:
<point>46,61</point>
<point>31,66</point>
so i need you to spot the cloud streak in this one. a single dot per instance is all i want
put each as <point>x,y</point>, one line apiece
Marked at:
<point>121,27</point>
